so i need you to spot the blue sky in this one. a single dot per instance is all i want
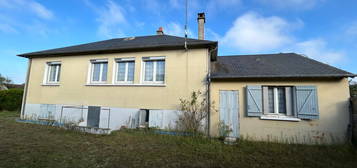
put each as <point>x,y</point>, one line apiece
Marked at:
<point>325,30</point>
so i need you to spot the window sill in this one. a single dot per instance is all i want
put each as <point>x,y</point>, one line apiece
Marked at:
<point>279,118</point>
<point>50,84</point>
<point>128,84</point>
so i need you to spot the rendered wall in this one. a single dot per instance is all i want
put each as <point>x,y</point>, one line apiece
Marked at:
<point>185,72</point>
<point>333,100</point>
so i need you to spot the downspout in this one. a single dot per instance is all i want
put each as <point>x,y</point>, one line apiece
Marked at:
<point>25,89</point>
<point>209,89</point>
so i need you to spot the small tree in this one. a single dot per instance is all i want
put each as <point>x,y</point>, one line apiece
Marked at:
<point>193,113</point>
<point>353,90</point>
<point>4,80</point>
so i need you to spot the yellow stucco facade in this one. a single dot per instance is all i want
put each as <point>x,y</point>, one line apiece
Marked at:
<point>185,71</point>
<point>331,127</point>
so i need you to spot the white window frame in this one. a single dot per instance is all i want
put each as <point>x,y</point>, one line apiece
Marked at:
<point>92,62</point>
<point>46,79</point>
<point>276,115</point>
<point>126,61</point>
<point>154,59</point>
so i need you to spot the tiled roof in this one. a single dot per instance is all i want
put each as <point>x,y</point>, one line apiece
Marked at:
<point>141,43</point>
<point>272,66</point>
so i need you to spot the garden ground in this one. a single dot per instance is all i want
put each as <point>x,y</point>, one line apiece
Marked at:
<point>28,145</point>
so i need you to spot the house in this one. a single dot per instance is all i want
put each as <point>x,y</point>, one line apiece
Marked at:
<point>134,81</point>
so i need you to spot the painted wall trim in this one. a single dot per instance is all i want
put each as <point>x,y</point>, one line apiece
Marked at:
<point>26,88</point>
<point>129,84</point>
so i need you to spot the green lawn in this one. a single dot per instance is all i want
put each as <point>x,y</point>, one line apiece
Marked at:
<point>27,145</point>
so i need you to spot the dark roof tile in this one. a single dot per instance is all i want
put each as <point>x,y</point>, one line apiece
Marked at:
<point>141,43</point>
<point>272,65</point>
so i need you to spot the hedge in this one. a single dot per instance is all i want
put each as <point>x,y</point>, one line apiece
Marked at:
<point>11,99</point>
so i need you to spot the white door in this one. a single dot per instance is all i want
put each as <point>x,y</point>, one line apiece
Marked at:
<point>229,112</point>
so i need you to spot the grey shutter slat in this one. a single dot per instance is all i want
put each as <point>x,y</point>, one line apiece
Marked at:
<point>306,102</point>
<point>265,100</point>
<point>254,101</point>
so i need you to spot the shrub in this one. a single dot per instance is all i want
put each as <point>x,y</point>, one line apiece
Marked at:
<point>353,90</point>
<point>193,113</point>
<point>11,99</point>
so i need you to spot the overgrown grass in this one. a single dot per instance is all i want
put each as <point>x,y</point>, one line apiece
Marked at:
<point>28,145</point>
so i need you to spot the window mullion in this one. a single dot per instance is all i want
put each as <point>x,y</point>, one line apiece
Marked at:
<point>276,101</point>
<point>126,71</point>
<point>100,72</point>
<point>154,71</point>
<point>56,73</point>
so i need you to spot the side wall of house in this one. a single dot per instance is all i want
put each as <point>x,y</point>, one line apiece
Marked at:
<point>184,73</point>
<point>331,127</point>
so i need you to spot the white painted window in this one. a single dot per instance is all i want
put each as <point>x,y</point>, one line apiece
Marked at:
<point>99,70</point>
<point>125,70</point>
<point>53,73</point>
<point>154,70</point>
<point>277,100</point>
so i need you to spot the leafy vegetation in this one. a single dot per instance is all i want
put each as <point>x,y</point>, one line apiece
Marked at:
<point>11,99</point>
<point>29,145</point>
<point>353,90</point>
<point>194,112</point>
<point>5,80</point>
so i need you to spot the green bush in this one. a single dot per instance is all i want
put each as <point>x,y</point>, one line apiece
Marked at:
<point>353,90</point>
<point>11,99</point>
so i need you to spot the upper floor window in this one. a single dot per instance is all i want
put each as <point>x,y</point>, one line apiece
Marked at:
<point>154,69</point>
<point>125,70</point>
<point>99,71</point>
<point>53,72</point>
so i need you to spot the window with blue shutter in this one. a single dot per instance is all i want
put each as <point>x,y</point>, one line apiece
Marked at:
<point>306,103</point>
<point>254,101</point>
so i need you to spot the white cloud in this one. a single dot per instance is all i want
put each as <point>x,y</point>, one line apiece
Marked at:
<point>176,29</point>
<point>214,5</point>
<point>111,19</point>
<point>319,50</point>
<point>7,28</point>
<point>252,32</point>
<point>352,29</point>
<point>29,6</point>
<point>40,10</point>
<point>291,4</point>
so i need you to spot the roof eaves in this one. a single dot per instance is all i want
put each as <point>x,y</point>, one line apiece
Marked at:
<point>216,76</point>
<point>128,49</point>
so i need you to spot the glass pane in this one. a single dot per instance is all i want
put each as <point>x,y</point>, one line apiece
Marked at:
<point>105,70</point>
<point>121,71</point>
<point>52,76</point>
<point>149,68</point>
<point>59,72</point>
<point>271,99</point>
<point>96,71</point>
<point>131,69</point>
<point>160,70</point>
<point>282,100</point>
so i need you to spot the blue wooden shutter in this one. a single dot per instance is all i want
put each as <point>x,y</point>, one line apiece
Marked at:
<point>254,101</point>
<point>306,103</point>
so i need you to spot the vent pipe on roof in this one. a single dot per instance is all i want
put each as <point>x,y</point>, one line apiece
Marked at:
<point>160,31</point>
<point>201,25</point>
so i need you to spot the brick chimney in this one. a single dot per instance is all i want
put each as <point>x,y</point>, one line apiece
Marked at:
<point>201,25</point>
<point>160,31</point>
